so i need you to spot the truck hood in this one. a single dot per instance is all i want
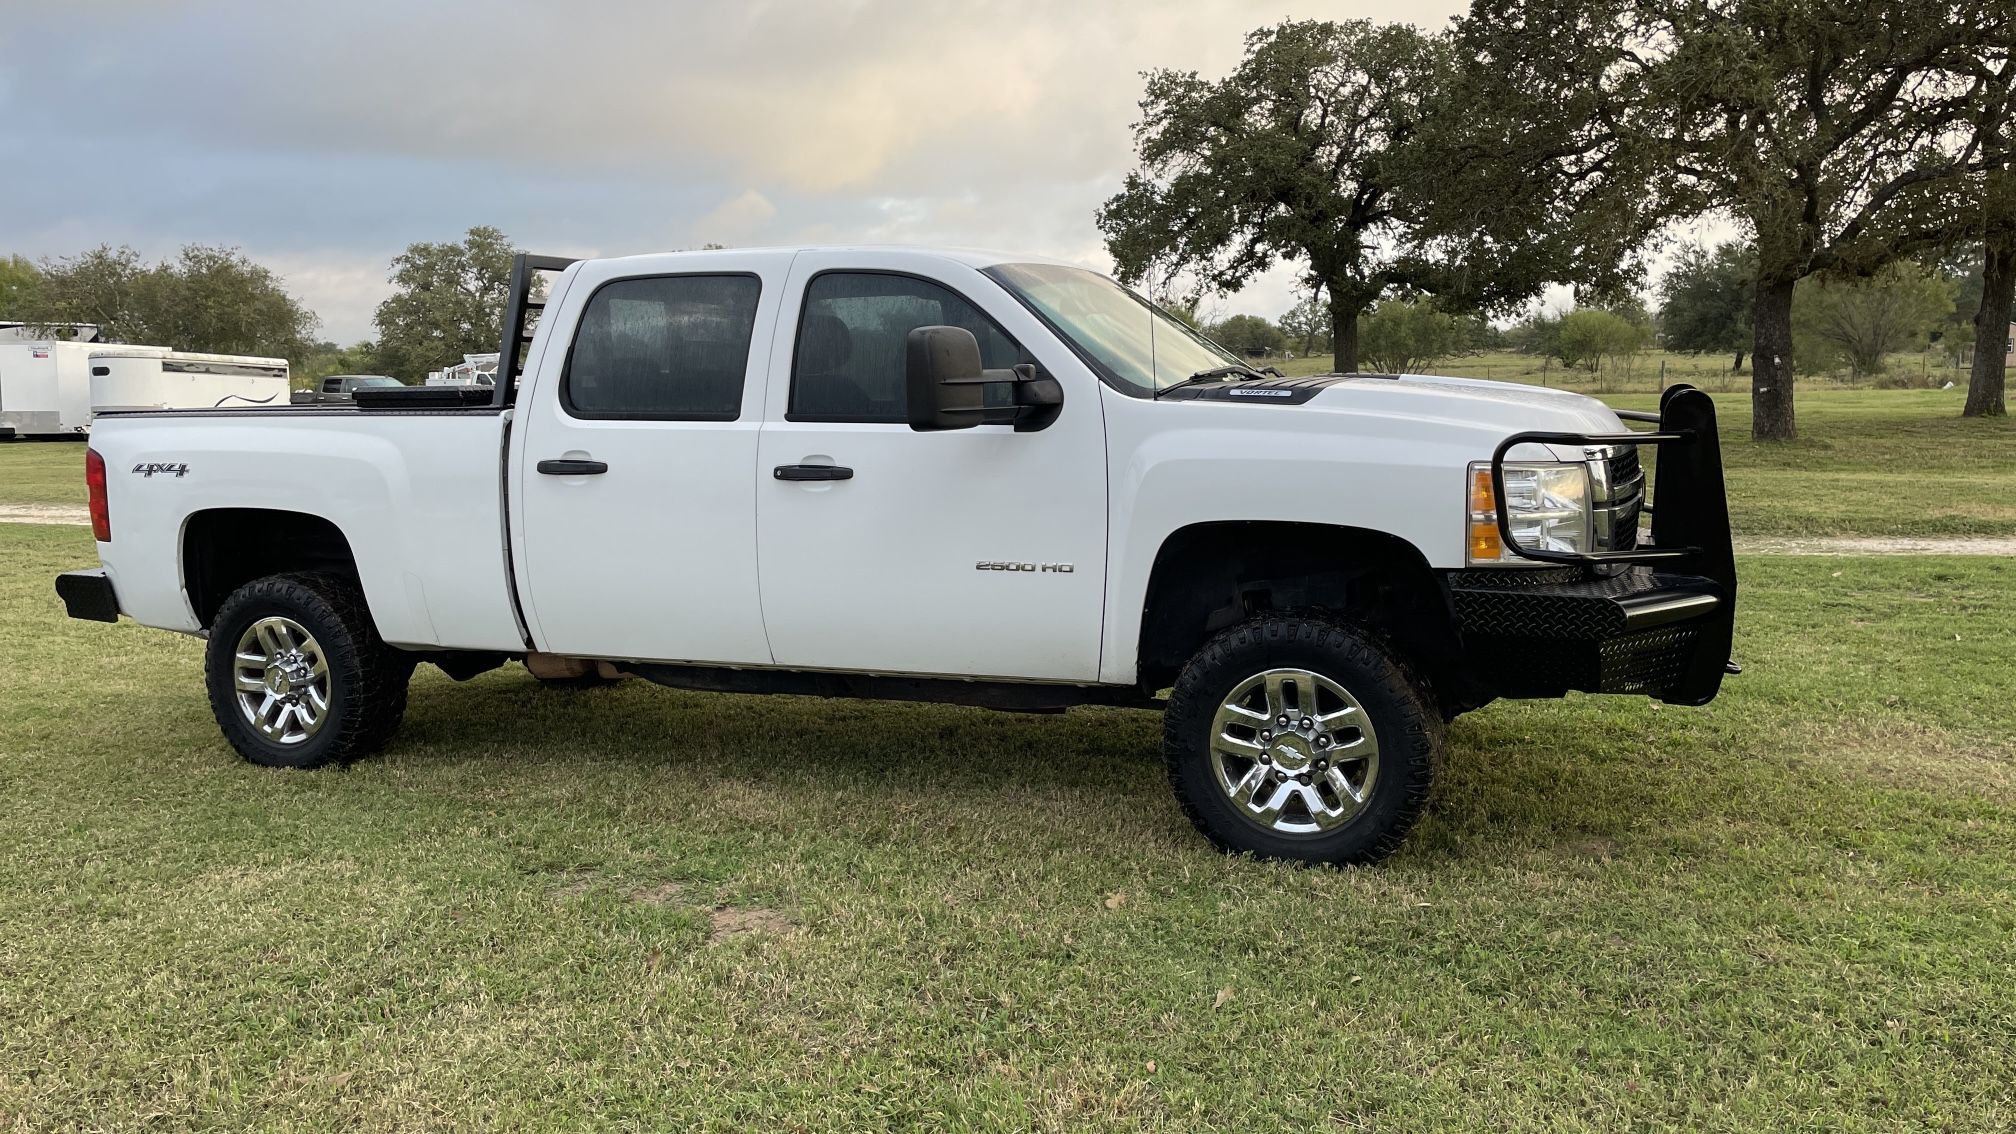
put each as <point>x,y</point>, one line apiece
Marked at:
<point>1501,408</point>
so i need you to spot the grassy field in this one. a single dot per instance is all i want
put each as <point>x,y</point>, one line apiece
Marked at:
<point>42,472</point>
<point>1868,462</point>
<point>634,909</point>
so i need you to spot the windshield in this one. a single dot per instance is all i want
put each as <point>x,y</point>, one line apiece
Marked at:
<point>379,382</point>
<point>1128,339</point>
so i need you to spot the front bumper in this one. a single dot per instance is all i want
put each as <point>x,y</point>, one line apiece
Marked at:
<point>1542,633</point>
<point>88,595</point>
<point>1656,619</point>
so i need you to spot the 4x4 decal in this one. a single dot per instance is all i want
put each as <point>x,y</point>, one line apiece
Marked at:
<point>150,468</point>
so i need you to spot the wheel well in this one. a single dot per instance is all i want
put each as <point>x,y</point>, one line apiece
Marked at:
<point>225,548</point>
<point>1210,576</point>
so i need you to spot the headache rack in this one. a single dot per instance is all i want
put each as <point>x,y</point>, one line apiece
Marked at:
<point>520,304</point>
<point>1690,524</point>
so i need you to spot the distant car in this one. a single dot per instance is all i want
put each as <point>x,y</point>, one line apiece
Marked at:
<point>340,387</point>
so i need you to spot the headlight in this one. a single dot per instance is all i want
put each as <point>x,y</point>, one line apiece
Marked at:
<point>1546,506</point>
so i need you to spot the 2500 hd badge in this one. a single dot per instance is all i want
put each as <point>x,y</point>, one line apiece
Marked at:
<point>999,565</point>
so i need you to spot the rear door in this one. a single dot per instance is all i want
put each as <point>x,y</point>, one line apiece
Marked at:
<point>633,470</point>
<point>974,552</point>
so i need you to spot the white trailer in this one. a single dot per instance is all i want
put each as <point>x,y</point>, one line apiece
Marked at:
<point>45,388</point>
<point>137,378</point>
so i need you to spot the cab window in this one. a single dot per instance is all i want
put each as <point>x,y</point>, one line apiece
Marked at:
<point>663,348</point>
<point>852,330</point>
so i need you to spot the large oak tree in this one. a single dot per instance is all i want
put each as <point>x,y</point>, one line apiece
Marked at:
<point>1992,205</point>
<point>1294,156</point>
<point>448,301</point>
<point>1832,130</point>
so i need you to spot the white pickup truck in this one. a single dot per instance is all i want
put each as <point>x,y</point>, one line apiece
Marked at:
<point>938,476</point>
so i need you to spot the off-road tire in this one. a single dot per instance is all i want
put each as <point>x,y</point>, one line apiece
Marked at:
<point>367,678</point>
<point>1408,726</point>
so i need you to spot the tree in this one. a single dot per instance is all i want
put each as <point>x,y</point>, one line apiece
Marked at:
<point>1995,207</point>
<point>1535,334</point>
<point>1184,311</point>
<point>19,282</point>
<point>1587,336</point>
<point>1867,320</point>
<point>1248,335</point>
<point>1308,324</point>
<point>208,299</point>
<point>1288,158</point>
<point>1706,301</point>
<point>448,301</point>
<point>1402,335</point>
<point>1830,131</point>
<point>325,358</point>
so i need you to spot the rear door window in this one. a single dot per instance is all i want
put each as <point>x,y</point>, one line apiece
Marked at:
<point>663,348</point>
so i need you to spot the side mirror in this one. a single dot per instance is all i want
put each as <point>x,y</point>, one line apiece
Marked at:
<point>946,387</point>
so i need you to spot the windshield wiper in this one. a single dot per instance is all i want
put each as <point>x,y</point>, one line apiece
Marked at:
<point>1213,375</point>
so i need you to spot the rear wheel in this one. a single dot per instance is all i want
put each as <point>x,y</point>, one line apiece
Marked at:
<point>1297,738</point>
<point>298,676</point>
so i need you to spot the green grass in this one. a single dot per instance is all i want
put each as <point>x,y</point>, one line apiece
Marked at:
<point>1868,462</point>
<point>635,909</point>
<point>41,472</point>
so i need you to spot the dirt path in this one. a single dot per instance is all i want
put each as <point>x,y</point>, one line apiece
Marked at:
<point>44,514</point>
<point>1876,545</point>
<point>1745,545</point>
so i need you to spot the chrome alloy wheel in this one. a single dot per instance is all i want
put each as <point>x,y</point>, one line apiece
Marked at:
<point>1294,752</point>
<point>282,680</point>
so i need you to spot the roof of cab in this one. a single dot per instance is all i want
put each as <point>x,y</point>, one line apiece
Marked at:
<point>971,257</point>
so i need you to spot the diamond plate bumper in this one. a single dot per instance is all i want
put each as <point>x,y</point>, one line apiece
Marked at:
<point>1543,633</point>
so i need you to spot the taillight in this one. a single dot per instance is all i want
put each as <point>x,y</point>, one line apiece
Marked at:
<point>94,479</point>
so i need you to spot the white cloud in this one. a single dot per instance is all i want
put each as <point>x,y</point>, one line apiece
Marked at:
<point>619,125</point>
<point>740,219</point>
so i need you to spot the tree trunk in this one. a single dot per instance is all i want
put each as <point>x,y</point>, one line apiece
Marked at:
<point>1737,366</point>
<point>1344,312</point>
<point>1991,332</point>
<point>1771,363</point>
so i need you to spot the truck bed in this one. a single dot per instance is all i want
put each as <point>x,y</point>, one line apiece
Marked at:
<point>415,491</point>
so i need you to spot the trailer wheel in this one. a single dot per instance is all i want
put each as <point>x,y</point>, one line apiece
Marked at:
<point>297,674</point>
<point>1293,737</point>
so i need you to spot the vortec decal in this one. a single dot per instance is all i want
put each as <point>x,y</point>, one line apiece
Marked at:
<point>148,470</point>
<point>1259,393</point>
<point>996,565</point>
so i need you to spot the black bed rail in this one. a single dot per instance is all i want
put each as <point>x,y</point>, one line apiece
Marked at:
<point>520,304</point>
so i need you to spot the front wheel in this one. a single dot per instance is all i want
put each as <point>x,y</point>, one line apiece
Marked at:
<point>1292,737</point>
<point>298,676</point>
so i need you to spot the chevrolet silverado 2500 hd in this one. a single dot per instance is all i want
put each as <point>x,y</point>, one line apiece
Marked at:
<point>940,476</point>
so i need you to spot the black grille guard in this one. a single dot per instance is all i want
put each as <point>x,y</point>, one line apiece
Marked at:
<point>1690,523</point>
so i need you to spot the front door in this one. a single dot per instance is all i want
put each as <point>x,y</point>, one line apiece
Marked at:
<point>634,471</point>
<point>971,552</point>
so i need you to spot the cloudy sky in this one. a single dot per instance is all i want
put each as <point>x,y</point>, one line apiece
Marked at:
<point>323,137</point>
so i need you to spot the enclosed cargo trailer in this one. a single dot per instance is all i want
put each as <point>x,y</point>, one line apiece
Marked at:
<point>139,378</point>
<point>45,389</point>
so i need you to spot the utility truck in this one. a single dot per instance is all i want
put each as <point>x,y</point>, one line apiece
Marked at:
<point>943,476</point>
